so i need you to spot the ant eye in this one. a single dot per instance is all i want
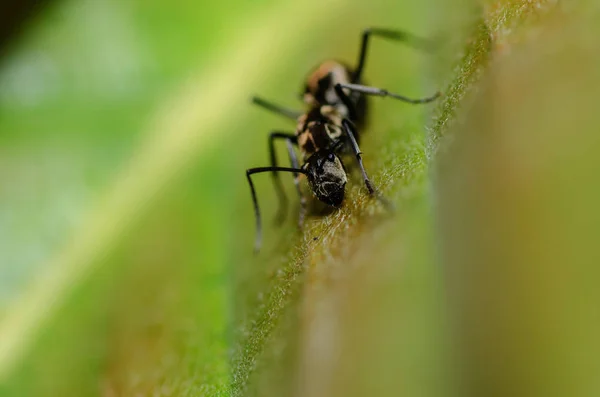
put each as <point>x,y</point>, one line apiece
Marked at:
<point>330,157</point>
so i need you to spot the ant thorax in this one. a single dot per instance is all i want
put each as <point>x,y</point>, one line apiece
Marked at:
<point>318,129</point>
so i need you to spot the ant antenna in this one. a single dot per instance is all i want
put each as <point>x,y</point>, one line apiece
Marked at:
<point>249,172</point>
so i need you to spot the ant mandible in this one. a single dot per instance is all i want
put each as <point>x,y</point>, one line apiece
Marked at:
<point>337,108</point>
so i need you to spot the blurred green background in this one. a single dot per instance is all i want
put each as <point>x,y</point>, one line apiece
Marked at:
<point>126,226</point>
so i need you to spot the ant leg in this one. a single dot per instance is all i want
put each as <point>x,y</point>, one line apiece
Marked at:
<point>350,130</point>
<point>249,172</point>
<point>382,92</point>
<point>397,35</point>
<point>280,215</point>
<point>285,112</point>
<point>295,164</point>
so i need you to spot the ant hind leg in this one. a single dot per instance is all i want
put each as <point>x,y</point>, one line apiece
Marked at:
<point>389,34</point>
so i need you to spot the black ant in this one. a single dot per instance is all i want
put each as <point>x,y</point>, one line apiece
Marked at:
<point>337,107</point>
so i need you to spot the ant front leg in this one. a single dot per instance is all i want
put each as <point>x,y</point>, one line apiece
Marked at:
<point>350,130</point>
<point>296,164</point>
<point>390,34</point>
<point>291,139</point>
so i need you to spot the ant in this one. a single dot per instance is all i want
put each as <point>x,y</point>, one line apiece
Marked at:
<point>337,108</point>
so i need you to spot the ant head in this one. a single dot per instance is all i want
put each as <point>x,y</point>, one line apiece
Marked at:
<point>326,177</point>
